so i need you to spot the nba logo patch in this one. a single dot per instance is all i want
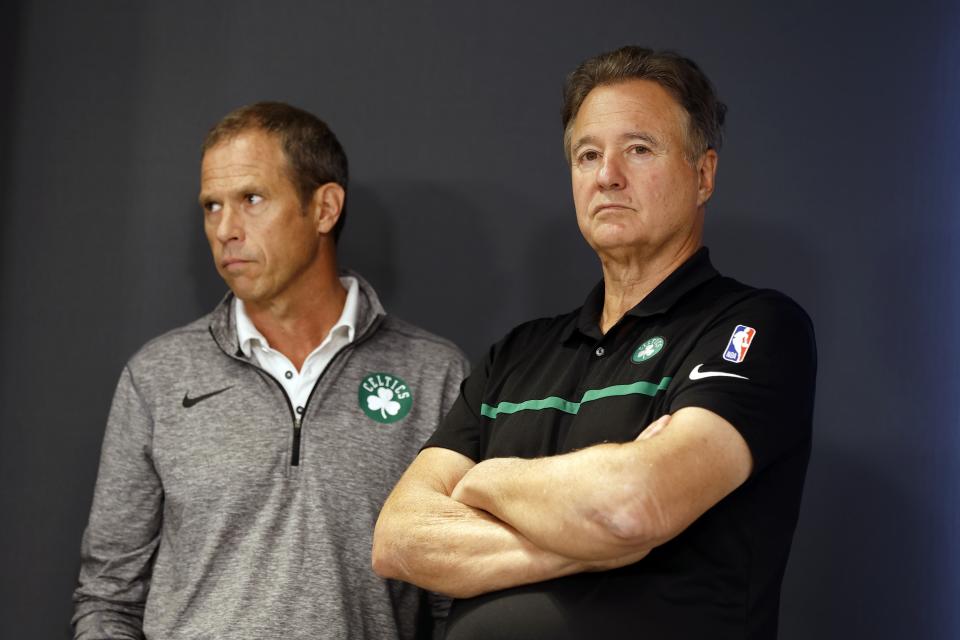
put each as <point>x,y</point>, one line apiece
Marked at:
<point>739,343</point>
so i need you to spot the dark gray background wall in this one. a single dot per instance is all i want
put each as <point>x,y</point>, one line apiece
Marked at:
<point>837,185</point>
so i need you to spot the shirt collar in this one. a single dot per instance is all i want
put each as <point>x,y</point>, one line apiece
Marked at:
<point>249,336</point>
<point>692,273</point>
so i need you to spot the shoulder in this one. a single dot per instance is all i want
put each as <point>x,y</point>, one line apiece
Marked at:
<point>542,327</point>
<point>727,316</point>
<point>533,336</point>
<point>728,297</point>
<point>545,328</point>
<point>171,351</point>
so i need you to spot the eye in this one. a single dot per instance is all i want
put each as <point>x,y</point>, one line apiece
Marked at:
<point>253,198</point>
<point>639,150</point>
<point>212,207</point>
<point>588,157</point>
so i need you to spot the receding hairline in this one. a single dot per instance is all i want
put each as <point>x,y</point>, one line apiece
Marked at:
<point>217,136</point>
<point>686,117</point>
<point>232,135</point>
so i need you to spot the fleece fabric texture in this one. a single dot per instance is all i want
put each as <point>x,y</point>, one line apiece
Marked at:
<point>213,518</point>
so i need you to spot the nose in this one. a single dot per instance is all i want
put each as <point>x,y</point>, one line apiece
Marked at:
<point>229,226</point>
<point>611,176</point>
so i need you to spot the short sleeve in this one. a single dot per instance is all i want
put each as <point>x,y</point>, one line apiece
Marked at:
<point>755,366</point>
<point>462,428</point>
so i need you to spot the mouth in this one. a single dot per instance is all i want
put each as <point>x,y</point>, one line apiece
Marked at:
<point>232,264</point>
<point>611,208</point>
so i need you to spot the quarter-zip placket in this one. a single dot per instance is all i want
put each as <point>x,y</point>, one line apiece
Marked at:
<point>298,419</point>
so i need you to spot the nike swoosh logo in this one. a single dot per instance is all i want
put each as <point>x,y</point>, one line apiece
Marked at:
<point>696,374</point>
<point>189,402</point>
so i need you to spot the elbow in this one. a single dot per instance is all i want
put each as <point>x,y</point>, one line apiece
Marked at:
<point>393,554</point>
<point>380,561</point>
<point>397,556</point>
<point>386,563</point>
<point>635,522</point>
<point>384,555</point>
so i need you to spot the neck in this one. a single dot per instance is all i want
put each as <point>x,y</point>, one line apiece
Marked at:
<point>296,322</point>
<point>629,277</point>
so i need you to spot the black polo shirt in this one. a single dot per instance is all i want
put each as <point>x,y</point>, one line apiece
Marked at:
<point>555,385</point>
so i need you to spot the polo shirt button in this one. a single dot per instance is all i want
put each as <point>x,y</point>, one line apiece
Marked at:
<point>300,410</point>
<point>600,351</point>
<point>288,375</point>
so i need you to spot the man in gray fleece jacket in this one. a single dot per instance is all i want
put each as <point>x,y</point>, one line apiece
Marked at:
<point>247,454</point>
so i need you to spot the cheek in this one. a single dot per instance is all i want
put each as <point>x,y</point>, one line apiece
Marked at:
<point>668,191</point>
<point>276,247</point>
<point>262,239</point>
<point>581,195</point>
<point>655,181</point>
<point>211,235</point>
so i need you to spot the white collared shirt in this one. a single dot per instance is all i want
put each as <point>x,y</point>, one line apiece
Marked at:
<point>299,384</point>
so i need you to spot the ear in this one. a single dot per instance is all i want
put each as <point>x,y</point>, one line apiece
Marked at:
<point>326,205</point>
<point>707,173</point>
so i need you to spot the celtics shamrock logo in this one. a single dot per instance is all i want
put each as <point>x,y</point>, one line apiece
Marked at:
<point>384,403</point>
<point>384,397</point>
<point>648,349</point>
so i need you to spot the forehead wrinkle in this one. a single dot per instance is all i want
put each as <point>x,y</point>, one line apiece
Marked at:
<point>627,136</point>
<point>252,151</point>
<point>231,170</point>
<point>237,182</point>
<point>584,141</point>
<point>641,135</point>
<point>649,101</point>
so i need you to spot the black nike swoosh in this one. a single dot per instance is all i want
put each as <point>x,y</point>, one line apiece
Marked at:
<point>189,402</point>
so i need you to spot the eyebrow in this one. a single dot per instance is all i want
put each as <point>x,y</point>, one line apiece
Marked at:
<point>630,135</point>
<point>204,199</point>
<point>247,187</point>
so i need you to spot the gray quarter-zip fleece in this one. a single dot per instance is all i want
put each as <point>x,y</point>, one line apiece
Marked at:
<point>218,514</point>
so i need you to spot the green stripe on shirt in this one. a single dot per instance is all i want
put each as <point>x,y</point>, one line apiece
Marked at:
<point>641,387</point>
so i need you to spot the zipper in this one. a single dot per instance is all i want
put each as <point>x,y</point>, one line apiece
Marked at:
<point>295,451</point>
<point>298,420</point>
<point>297,423</point>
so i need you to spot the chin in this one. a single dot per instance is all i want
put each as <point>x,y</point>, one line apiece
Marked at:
<point>612,240</point>
<point>246,294</point>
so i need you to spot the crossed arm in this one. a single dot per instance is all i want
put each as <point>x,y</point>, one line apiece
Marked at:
<point>465,529</point>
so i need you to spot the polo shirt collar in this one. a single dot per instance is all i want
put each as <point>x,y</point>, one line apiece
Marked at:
<point>691,274</point>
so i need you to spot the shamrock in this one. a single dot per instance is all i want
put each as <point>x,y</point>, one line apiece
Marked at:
<point>383,402</point>
<point>648,350</point>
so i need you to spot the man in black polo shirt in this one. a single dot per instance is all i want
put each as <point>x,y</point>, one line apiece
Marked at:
<point>633,468</point>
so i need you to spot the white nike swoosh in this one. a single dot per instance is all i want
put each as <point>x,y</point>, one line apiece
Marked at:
<point>696,374</point>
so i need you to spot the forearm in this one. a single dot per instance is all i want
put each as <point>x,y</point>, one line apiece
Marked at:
<point>566,504</point>
<point>114,575</point>
<point>612,500</point>
<point>459,551</point>
<point>123,530</point>
<point>426,538</point>
<point>106,624</point>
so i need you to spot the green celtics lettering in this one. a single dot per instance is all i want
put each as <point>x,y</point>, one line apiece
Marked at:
<point>385,397</point>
